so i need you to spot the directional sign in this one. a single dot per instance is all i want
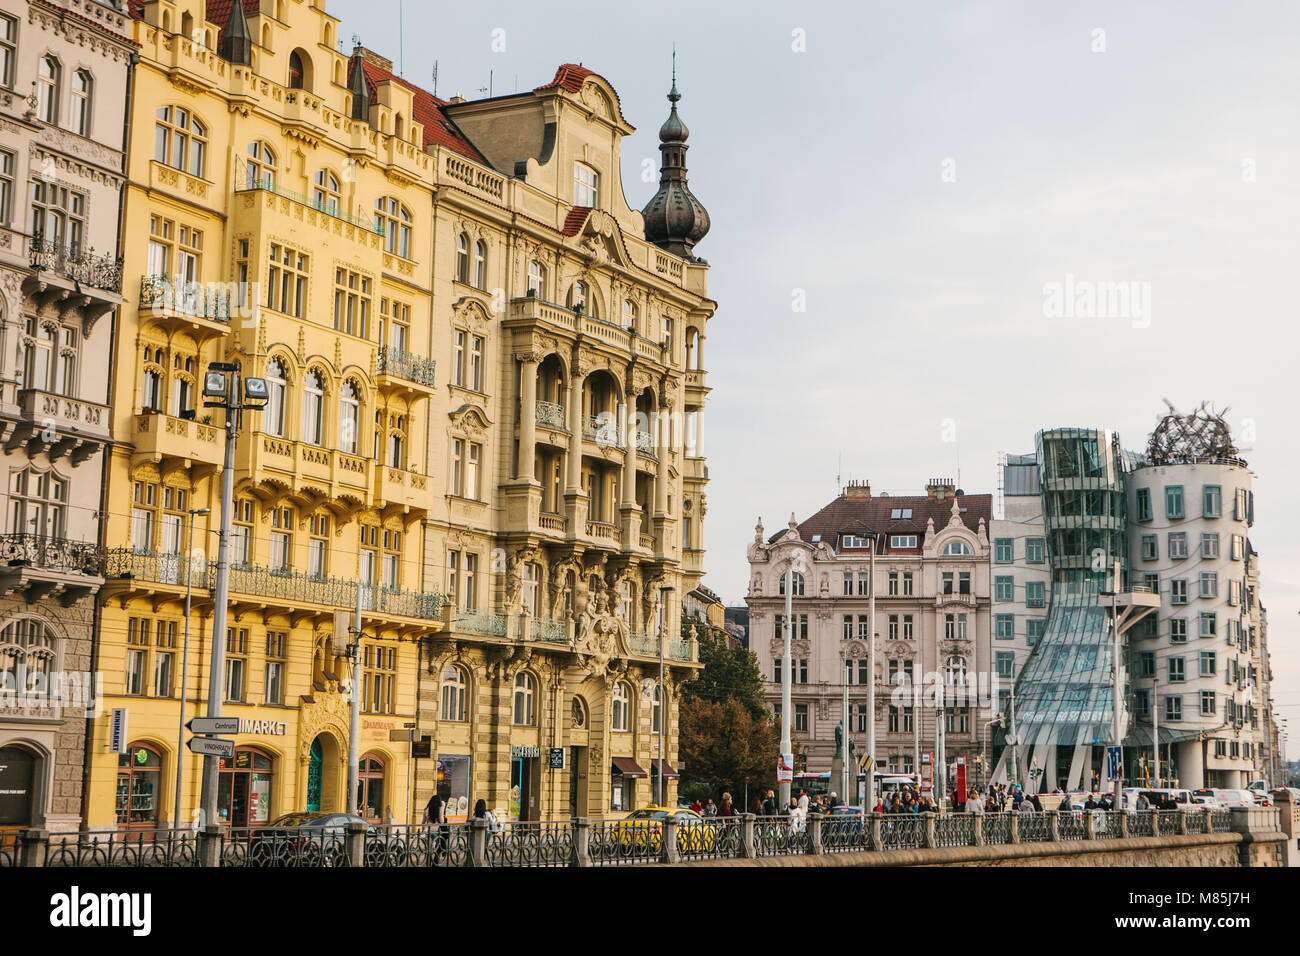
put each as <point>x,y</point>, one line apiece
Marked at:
<point>865,763</point>
<point>1114,764</point>
<point>213,725</point>
<point>212,746</point>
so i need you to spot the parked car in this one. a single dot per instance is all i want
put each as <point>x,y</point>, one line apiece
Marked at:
<point>308,838</point>
<point>843,820</point>
<point>1206,798</point>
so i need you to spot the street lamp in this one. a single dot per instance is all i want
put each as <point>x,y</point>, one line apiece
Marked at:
<point>185,660</point>
<point>663,615</point>
<point>221,383</point>
<point>988,725</point>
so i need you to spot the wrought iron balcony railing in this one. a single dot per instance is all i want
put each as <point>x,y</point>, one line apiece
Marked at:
<point>645,443</point>
<point>174,296</point>
<point>98,272</point>
<point>413,368</point>
<point>481,622</point>
<point>286,585</point>
<point>51,554</point>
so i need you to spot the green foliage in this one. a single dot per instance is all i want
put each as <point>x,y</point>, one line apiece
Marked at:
<point>726,731</point>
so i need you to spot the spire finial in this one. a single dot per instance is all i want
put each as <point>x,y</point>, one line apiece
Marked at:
<point>673,95</point>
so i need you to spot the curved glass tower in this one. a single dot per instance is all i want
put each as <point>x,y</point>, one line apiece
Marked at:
<point>1064,693</point>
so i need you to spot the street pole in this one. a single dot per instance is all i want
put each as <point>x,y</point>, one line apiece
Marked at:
<point>844,739</point>
<point>663,699</point>
<point>354,731</point>
<point>185,666</point>
<point>785,684</point>
<point>221,597</point>
<point>1013,773</point>
<point>871,678</point>
<point>940,758</point>
<point>1115,698</point>
<point>1155,727</point>
<point>917,710</point>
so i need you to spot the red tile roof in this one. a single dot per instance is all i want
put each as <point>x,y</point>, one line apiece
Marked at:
<point>866,516</point>
<point>569,76</point>
<point>427,109</point>
<point>573,222</point>
<point>218,11</point>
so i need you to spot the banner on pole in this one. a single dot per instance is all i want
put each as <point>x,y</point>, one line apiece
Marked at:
<point>785,768</point>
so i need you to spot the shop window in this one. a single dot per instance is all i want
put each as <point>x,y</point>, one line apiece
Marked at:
<point>244,788</point>
<point>370,788</point>
<point>525,688</point>
<point>138,790</point>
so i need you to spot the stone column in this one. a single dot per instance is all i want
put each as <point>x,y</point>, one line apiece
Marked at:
<point>581,842</point>
<point>527,418</point>
<point>815,834</point>
<point>356,843</point>
<point>668,841</point>
<point>34,846</point>
<point>748,848</point>
<point>661,473</point>
<point>478,834</point>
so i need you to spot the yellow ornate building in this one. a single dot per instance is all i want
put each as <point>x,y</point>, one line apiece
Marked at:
<point>345,235</point>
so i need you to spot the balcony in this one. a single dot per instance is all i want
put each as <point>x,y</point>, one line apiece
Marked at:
<point>400,492</point>
<point>553,523</point>
<point>697,379</point>
<point>253,587</point>
<point>602,428</point>
<point>177,305</point>
<point>533,310</point>
<point>406,368</point>
<point>602,531</point>
<point>58,425</point>
<point>645,445</point>
<point>244,187</point>
<point>551,415</point>
<point>180,442</point>
<point>89,271</point>
<point>641,644</point>
<point>312,471</point>
<point>43,567</point>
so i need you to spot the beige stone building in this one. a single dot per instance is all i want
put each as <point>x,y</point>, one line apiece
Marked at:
<point>64,67</point>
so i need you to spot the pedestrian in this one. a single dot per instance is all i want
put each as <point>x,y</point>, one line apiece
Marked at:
<point>835,800</point>
<point>1142,802</point>
<point>483,813</point>
<point>803,801</point>
<point>710,808</point>
<point>725,809</point>
<point>769,805</point>
<point>435,821</point>
<point>697,806</point>
<point>973,803</point>
<point>1026,805</point>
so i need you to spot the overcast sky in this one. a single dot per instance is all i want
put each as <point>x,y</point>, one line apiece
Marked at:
<point>918,173</point>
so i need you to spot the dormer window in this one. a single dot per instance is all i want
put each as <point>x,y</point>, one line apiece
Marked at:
<point>854,541</point>
<point>902,541</point>
<point>956,547</point>
<point>899,513</point>
<point>586,185</point>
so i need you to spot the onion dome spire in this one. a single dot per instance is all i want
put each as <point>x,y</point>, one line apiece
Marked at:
<point>235,43</point>
<point>674,219</point>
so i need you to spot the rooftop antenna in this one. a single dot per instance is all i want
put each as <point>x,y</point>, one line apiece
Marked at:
<point>435,77</point>
<point>490,83</point>
<point>400,37</point>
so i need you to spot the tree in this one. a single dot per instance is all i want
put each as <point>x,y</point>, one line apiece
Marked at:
<point>726,732</point>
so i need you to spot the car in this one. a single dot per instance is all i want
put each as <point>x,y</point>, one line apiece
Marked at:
<point>1206,798</point>
<point>304,838</point>
<point>843,819</point>
<point>1293,793</point>
<point>643,828</point>
<point>1234,797</point>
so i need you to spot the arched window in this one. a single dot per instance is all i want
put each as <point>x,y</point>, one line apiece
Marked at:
<point>50,355</point>
<point>956,547</point>
<point>621,708</point>
<point>578,713</point>
<point>579,298</point>
<point>260,166</point>
<point>83,85</point>
<point>138,790</point>
<point>180,140</point>
<point>276,385</point>
<point>349,416</point>
<point>462,258</point>
<point>397,441</point>
<point>395,219</point>
<point>325,196</point>
<point>399,127</point>
<point>151,387</point>
<point>656,708</point>
<point>480,265</point>
<point>629,314</point>
<point>797,581</point>
<point>536,279</point>
<point>295,70</point>
<point>47,89</point>
<point>454,687</point>
<point>27,656</point>
<point>370,787</point>
<point>524,688</point>
<point>313,407</point>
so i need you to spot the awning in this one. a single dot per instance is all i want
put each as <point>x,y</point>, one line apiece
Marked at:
<point>669,772</point>
<point>627,767</point>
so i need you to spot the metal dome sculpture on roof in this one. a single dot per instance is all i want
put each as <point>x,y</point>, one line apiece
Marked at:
<point>674,219</point>
<point>1200,435</point>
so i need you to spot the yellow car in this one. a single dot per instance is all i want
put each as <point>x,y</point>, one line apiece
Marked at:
<point>642,829</point>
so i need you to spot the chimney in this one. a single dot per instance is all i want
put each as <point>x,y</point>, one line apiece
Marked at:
<point>940,488</point>
<point>374,59</point>
<point>457,99</point>
<point>858,489</point>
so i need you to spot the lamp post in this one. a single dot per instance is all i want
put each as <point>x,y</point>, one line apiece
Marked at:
<point>870,795</point>
<point>663,702</point>
<point>785,684</point>
<point>221,383</point>
<point>988,732</point>
<point>185,665</point>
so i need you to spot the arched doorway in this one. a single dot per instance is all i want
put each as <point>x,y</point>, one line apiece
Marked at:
<point>18,767</point>
<point>370,787</point>
<point>324,781</point>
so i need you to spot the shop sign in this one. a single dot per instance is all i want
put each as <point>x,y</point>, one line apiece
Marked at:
<point>525,751</point>
<point>271,728</point>
<point>557,758</point>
